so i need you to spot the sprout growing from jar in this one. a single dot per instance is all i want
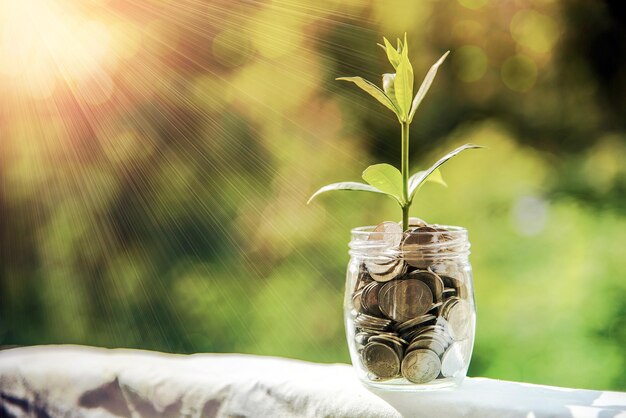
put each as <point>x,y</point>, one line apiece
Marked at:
<point>397,96</point>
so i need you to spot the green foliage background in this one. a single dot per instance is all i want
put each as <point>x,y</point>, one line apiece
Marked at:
<point>173,217</point>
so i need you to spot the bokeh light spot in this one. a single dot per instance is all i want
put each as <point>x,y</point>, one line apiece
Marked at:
<point>276,35</point>
<point>469,63</point>
<point>530,214</point>
<point>519,73</point>
<point>534,30</point>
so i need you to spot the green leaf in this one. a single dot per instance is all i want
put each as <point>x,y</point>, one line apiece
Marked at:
<point>428,80</point>
<point>436,177</point>
<point>417,179</point>
<point>346,185</point>
<point>385,178</point>
<point>404,83</point>
<point>373,91</point>
<point>388,87</point>
<point>392,54</point>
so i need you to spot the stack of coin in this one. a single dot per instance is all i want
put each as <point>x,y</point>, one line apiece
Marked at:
<point>411,311</point>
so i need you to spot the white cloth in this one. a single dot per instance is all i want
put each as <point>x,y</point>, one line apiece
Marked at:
<point>73,381</point>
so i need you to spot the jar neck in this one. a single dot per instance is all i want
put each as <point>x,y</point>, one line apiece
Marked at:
<point>435,243</point>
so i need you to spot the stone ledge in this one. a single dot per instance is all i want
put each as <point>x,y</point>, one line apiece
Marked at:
<point>75,381</point>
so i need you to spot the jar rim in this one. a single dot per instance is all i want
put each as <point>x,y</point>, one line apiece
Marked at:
<point>445,243</point>
<point>366,231</point>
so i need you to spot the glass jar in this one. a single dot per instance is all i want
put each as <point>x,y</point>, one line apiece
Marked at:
<point>409,305</point>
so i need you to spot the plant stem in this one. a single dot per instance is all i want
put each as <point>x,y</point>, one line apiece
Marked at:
<point>405,175</point>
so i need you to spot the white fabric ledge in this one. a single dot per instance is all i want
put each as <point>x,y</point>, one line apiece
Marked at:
<point>73,381</point>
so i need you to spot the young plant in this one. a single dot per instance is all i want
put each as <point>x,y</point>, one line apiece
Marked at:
<point>397,96</point>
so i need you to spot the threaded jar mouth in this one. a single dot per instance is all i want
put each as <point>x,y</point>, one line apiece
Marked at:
<point>434,242</point>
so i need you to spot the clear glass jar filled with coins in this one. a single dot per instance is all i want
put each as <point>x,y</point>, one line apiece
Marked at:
<point>409,305</point>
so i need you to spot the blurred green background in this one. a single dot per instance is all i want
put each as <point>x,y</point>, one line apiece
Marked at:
<point>156,157</point>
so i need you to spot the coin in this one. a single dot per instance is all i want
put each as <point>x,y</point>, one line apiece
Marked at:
<point>392,342</point>
<point>438,332</point>
<point>416,222</point>
<point>397,270</point>
<point>439,338</point>
<point>452,281</point>
<point>381,265</point>
<point>422,235</point>
<point>356,300</point>
<point>414,322</point>
<point>371,323</point>
<point>433,281</point>
<point>362,337</point>
<point>421,366</point>
<point>429,343</point>
<point>434,306</point>
<point>404,299</point>
<point>381,360</point>
<point>413,243</point>
<point>387,234</point>
<point>445,308</point>
<point>452,361</point>
<point>461,291</point>
<point>362,279</point>
<point>369,299</point>
<point>458,316</point>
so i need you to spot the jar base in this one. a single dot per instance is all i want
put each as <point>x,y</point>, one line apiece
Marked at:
<point>401,385</point>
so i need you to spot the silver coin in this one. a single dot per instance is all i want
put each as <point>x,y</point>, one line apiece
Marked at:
<point>459,317</point>
<point>445,308</point>
<point>440,337</point>
<point>413,244</point>
<point>434,307</point>
<point>381,360</point>
<point>371,323</point>
<point>405,299</point>
<point>417,222</point>
<point>384,236</point>
<point>398,269</point>
<point>462,292</point>
<point>437,332</point>
<point>393,336</point>
<point>362,337</point>
<point>451,281</point>
<point>356,300</point>
<point>429,343</point>
<point>433,281</point>
<point>421,366</point>
<point>369,299</point>
<point>393,343</point>
<point>414,322</point>
<point>380,265</point>
<point>452,361</point>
